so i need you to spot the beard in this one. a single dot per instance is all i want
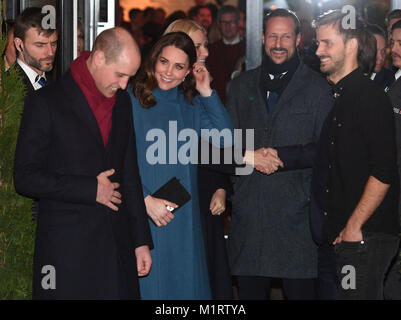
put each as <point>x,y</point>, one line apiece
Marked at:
<point>396,59</point>
<point>37,63</point>
<point>278,60</point>
<point>333,67</point>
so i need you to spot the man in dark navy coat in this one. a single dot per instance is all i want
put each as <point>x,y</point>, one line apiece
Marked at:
<point>76,153</point>
<point>36,48</point>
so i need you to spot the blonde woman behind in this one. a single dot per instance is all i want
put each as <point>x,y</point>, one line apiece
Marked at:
<point>212,188</point>
<point>196,32</point>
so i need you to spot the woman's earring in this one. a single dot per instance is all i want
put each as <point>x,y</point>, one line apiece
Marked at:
<point>184,79</point>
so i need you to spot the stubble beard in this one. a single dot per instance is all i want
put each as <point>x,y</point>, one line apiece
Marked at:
<point>35,63</point>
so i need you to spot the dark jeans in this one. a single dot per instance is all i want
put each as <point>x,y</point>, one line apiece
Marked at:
<point>392,284</point>
<point>362,266</point>
<point>258,288</point>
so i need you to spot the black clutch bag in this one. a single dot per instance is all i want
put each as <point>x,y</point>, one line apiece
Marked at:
<point>173,191</point>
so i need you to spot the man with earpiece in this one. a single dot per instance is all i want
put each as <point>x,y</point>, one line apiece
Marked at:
<point>36,48</point>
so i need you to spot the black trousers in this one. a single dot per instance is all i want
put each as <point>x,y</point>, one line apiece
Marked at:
<point>392,283</point>
<point>122,284</point>
<point>362,266</point>
<point>327,281</point>
<point>258,288</point>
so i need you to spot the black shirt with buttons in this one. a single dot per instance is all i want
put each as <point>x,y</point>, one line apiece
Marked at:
<point>360,143</point>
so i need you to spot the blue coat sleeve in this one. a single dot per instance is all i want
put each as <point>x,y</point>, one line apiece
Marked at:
<point>213,115</point>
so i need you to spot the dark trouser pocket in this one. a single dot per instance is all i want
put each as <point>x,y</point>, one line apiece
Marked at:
<point>361,266</point>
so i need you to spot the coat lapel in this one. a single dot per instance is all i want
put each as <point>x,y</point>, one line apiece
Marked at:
<point>28,85</point>
<point>81,107</point>
<point>294,87</point>
<point>259,100</point>
<point>115,121</point>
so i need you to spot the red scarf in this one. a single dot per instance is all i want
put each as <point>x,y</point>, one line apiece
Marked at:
<point>102,107</point>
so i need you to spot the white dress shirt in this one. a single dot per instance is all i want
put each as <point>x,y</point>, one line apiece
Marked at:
<point>397,74</point>
<point>32,74</point>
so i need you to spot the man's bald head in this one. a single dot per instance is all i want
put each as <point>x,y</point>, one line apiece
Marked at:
<point>113,42</point>
<point>115,58</point>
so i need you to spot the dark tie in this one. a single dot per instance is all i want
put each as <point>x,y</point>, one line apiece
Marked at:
<point>42,81</point>
<point>273,96</point>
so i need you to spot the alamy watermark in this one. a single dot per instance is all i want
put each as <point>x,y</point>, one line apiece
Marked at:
<point>349,280</point>
<point>49,20</point>
<point>165,150</point>
<point>349,21</point>
<point>49,280</point>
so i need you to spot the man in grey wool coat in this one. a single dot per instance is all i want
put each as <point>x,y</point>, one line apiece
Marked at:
<point>285,102</point>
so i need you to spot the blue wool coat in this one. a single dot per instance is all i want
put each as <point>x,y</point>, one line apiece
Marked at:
<point>179,269</point>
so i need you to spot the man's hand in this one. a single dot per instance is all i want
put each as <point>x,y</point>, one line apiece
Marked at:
<point>349,235</point>
<point>264,160</point>
<point>218,202</point>
<point>157,210</point>
<point>106,190</point>
<point>143,260</point>
<point>372,197</point>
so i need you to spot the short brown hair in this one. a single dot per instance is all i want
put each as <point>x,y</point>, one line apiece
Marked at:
<point>228,10</point>
<point>283,13</point>
<point>30,18</point>
<point>396,25</point>
<point>394,14</point>
<point>366,41</point>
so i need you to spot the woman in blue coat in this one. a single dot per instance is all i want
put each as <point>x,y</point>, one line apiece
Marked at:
<point>172,101</point>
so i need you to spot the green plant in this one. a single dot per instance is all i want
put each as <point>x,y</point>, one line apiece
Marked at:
<point>16,225</point>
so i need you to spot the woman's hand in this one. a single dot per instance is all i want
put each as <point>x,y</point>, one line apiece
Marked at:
<point>157,210</point>
<point>202,78</point>
<point>218,202</point>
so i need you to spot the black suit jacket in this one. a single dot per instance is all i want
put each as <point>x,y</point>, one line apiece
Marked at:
<point>28,85</point>
<point>385,78</point>
<point>58,157</point>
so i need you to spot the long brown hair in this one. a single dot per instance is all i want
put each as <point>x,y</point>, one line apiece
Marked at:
<point>145,81</point>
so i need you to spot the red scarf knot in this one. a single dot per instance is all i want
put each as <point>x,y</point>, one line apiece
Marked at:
<point>101,106</point>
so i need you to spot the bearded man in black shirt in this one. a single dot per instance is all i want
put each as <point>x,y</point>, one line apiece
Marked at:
<point>360,217</point>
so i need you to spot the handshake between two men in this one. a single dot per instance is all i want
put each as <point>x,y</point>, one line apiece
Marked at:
<point>264,160</point>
